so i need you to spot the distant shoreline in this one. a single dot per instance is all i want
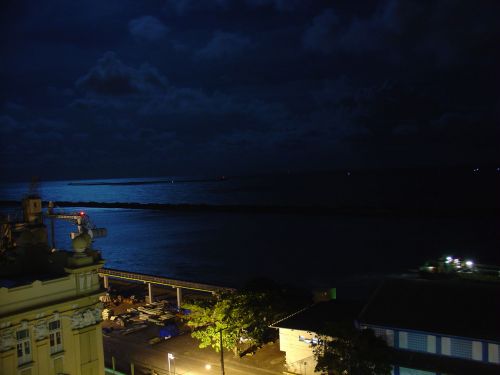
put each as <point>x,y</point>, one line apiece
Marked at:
<point>125,183</point>
<point>276,209</point>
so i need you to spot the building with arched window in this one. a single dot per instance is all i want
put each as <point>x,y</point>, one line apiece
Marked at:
<point>50,311</point>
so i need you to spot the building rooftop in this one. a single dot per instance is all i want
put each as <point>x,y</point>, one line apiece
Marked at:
<point>315,317</point>
<point>12,282</point>
<point>37,264</point>
<point>451,307</point>
<point>25,253</point>
<point>445,365</point>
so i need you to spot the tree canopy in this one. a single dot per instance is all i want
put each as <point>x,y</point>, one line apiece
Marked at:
<point>244,315</point>
<point>345,350</point>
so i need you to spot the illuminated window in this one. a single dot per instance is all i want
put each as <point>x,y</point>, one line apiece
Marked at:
<point>493,353</point>
<point>23,346</point>
<point>417,341</point>
<point>313,341</point>
<point>55,336</point>
<point>412,371</point>
<point>461,348</point>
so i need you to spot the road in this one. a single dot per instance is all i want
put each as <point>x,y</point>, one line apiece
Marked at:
<point>188,358</point>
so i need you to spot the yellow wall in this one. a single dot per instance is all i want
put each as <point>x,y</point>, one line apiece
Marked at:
<point>74,300</point>
<point>299,354</point>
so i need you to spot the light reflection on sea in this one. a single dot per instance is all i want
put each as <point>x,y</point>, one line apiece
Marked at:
<point>302,249</point>
<point>306,250</point>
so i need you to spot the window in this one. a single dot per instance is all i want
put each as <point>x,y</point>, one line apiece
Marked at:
<point>55,337</point>
<point>23,346</point>
<point>431,344</point>
<point>411,371</point>
<point>386,334</point>
<point>89,280</point>
<point>85,281</point>
<point>417,341</point>
<point>312,341</point>
<point>303,339</point>
<point>493,353</point>
<point>81,278</point>
<point>461,348</point>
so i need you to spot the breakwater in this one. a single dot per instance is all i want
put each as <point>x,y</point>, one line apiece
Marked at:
<point>279,209</point>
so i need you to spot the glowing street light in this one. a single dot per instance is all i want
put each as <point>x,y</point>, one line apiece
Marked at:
<point>170,356</point>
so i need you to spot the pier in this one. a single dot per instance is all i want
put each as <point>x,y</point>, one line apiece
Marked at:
<point>179,285</point>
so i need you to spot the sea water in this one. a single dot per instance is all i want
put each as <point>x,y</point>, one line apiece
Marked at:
<point>301,249</point>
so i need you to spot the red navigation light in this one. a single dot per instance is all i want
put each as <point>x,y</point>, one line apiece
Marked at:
<point>82,213</point>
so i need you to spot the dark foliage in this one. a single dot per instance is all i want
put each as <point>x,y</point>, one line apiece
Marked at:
<point>345,350</point>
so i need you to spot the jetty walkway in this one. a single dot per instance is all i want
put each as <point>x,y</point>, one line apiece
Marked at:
<point>107,273</point>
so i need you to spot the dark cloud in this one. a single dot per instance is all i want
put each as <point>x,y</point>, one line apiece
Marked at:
<point>322,33</point>
<point>116,87</point>
<point>186,6</point>
<point>312,84</point>
<point>8,124</point>
<point>112,77</point>
<point>415,123</point>
<point>380,30</point>
<point>225,45</point>
<point>187,101</point>
<point>12,106</point>
<point>80,137</point>
<point>441,33</point>
<point>40,137</point>
<point>147,28</point>
<point>280,5</point>
<point>405,129</point>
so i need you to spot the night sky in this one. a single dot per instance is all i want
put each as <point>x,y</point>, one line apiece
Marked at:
<point>123,88</point>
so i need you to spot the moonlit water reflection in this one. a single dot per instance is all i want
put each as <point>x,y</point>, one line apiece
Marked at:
<point>311,250</point>
<point>302,249</point>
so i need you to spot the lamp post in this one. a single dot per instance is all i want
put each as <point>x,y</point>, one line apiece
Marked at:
<point>221,353</point>
<point>170,356</point>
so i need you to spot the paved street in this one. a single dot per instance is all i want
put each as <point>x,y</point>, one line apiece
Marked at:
<point>189,359</point>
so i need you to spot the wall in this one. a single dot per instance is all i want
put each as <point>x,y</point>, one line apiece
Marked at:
<point>74,302</point>
<point>299,352</point>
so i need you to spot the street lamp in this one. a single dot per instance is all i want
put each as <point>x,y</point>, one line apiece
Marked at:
<point>170,356</point>
<point>221,353</point>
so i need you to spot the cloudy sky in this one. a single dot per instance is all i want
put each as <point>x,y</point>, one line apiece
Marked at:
<point>121,88</point>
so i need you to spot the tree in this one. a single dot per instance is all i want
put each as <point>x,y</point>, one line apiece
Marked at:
<point>245,314</point>
<point>239,315</point>
<point>345,350</point>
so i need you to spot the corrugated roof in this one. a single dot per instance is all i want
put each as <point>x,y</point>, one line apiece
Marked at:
<point>315,317</point>
<point>452,307</point>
